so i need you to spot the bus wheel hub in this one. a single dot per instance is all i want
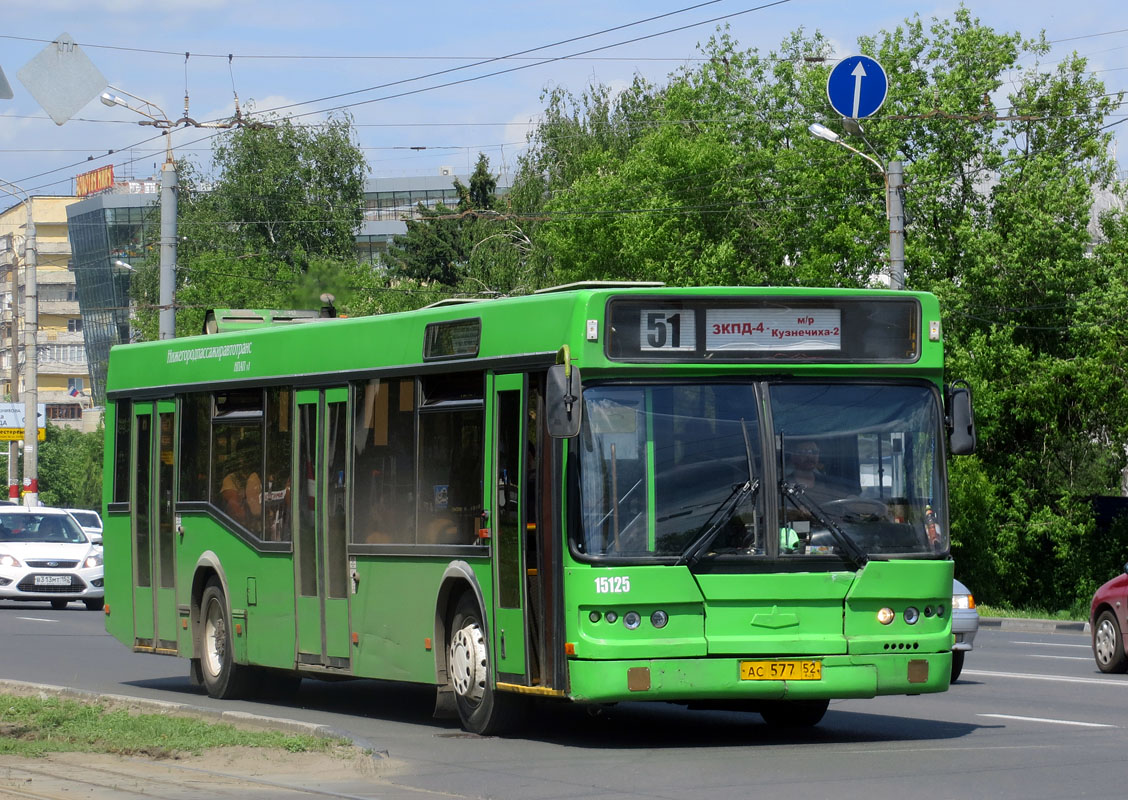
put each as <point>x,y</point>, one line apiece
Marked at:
<point>469,662</point>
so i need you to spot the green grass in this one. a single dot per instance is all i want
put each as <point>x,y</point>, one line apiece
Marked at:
<point>33,726</point>
<point>1071,615</point>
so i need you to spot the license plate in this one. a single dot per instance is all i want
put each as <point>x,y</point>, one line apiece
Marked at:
<point>781,670</point>
<point>52,580</point>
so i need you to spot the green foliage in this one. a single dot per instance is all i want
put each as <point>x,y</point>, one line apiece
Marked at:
<point>271,225</point>
<point>712,178</point>
<point>33,726</point>
<point>472,249</point>
<point>70,468</point>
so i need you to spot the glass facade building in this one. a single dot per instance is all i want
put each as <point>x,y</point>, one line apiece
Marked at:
<point>107,234</point>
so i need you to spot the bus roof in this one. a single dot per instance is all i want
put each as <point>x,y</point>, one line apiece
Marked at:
<point>520,332</point>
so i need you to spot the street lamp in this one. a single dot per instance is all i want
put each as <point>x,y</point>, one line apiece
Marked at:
<point>158,119</point>
<point>894,212</point>
<point>31,358</point>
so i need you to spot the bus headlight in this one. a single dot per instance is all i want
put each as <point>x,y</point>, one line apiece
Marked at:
<point>886,615</point>
<point>911,615</point>
<point>659,619</point>
<point>631,620</point>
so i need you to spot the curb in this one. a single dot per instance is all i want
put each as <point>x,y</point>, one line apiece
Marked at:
<point>1034,625</point>
<point>241,719</point>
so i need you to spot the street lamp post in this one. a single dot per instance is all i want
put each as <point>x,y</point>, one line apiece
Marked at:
<point>158,119</point>
<point>893,176</point>
<point>31,358</point>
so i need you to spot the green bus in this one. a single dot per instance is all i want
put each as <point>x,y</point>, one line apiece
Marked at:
<point>720,497</point>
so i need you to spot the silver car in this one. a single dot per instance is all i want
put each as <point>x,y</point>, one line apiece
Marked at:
<point>46,557</point>
<point>965,624</point>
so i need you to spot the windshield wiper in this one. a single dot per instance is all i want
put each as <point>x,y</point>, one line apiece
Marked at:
<point>717,521</point>
<point>795,491</point>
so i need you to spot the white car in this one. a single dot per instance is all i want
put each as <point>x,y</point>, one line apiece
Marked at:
<point>89,521</point>
<point>965,624</point>
<point>46,557</point>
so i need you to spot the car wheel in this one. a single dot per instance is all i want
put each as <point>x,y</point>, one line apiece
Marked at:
<point>794,713</point>
<point>223,678</point>
<point>59,605</point>
<point>480,708</point>
<point>1108,644</point>
<point>957,664</point>
<point>95,605</point>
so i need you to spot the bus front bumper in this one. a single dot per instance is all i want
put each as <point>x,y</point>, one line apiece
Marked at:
<point>692,679</point>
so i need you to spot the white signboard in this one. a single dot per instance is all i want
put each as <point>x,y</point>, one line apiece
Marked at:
<point>773,329</point>
<point>12,415</point>
<point>668,329</point>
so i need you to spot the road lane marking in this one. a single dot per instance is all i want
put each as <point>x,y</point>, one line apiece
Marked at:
<point>37,619</point>
<point>1059,678</point>
<point>1056,644</point>
<point>1051,721</point>
<point>1060,658</point>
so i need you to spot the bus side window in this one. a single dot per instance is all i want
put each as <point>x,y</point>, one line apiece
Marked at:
<point>384,461</point>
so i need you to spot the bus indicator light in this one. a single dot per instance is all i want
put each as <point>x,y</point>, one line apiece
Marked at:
<point>427,644</point>
<point>569,648</point>
<point>595,616</point>
<point>355,638</point>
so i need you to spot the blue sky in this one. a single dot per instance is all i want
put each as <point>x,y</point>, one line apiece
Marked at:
<point>287,52</point>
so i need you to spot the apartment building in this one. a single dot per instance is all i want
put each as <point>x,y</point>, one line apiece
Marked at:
<point>63,377</point>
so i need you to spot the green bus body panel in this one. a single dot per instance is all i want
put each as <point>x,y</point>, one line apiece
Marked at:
<point>337,627</point>
<point>309,625</point>
<point>719,679</point>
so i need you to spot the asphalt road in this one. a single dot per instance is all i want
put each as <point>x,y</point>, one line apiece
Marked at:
<point>1031,718</point>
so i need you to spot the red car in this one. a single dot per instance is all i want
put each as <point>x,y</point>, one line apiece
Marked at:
<point>1108,619</point>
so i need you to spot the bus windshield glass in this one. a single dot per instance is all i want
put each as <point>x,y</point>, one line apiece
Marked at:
<point>679,471</point>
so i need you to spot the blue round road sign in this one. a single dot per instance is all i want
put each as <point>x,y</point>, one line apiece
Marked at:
<point>856,87</point>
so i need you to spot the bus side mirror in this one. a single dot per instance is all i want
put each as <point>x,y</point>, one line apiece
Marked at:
<point>562,401</point>
<point>961,420</point>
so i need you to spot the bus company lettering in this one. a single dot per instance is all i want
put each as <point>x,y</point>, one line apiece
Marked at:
<point>774,329</point>
<point>215,353</point>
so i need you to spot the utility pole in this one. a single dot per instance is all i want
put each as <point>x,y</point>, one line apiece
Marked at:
<point>894,180</point>
<point>31,359</point>
<point>167,315</point>
<point>14,447</point>
<point>31,367</point>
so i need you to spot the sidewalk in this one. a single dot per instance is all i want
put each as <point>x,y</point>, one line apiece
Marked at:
<point>1034,625</point>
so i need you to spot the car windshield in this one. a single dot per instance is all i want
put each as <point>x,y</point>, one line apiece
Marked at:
<point>849,471</point>
<point>55,528</point>
<point>87,519</point>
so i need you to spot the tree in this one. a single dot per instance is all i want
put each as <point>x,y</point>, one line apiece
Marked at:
<point>70,468</point>
<point>712,178</point>
<point>470,248</point>
<point>271,225</point>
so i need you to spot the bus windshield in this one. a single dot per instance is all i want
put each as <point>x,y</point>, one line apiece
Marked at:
<point>848,471</point>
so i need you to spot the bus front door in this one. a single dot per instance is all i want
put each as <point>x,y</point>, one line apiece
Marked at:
<point>518,626</point>
<point>320,556</point>
<point>154,560</point>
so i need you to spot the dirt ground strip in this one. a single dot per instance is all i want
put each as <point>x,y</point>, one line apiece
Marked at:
<point>246,773</point>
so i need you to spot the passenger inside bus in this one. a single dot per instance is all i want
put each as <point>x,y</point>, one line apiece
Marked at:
<point>241,490</point>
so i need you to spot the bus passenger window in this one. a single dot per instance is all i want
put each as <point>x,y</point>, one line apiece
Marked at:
<point>450,492</point>
<point>384,462</point>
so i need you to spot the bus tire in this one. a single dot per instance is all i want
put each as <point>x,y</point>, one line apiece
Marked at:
<point>481,708</point>
<point>794,713</point>
<point>957,664</point>
<point>223,678</point>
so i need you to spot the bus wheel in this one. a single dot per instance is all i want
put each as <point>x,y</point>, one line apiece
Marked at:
<point>481,709</point>
<point>957,664</point>
<point>223,678</point>
<point>794,713</point>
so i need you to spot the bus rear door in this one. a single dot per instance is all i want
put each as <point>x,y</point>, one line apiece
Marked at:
<point>320,557</point>
<point>154,563</point>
